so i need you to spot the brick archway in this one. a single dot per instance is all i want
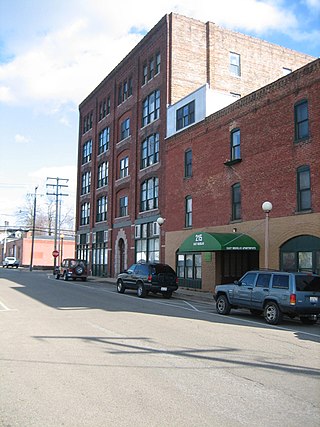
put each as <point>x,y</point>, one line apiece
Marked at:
<point>121,252</point>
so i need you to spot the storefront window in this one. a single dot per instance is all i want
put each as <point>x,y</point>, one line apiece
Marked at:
<point>189,270</point>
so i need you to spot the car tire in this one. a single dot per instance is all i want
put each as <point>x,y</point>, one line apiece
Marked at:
<point>167,294</point>
<point>65,277</point>
<point>120,287</point>
<point>79,270</point>
<point>222,305</point>
<point>272,313</point>
<point>57,276</point>
<point>308,320</point>
<point>141,291</point>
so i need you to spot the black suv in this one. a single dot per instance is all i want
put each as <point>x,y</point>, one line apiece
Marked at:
<point>273,293</point>
<point>148,277</point>
<point>72,269</point>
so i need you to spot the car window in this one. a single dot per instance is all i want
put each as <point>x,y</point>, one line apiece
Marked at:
<point>73,263</point>
<point>263,280</point>
<point>163,268</point>
<point>280,281</point>
<point>308,283</point>
<point>248,279</point>
<point>131,268</point>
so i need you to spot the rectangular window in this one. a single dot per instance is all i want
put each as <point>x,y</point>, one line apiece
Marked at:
<point>125,129</point>
<point>123,206</point>
<point>104,139</point>
<point>108,105</point>
<point>151,68</point>
<point>158,61</point>
<point>124,167</point>
<point>103,171</point>
<point>86,183</point>
<point>280,281</point>
<point>185,115</point>
<point>147,244</point>
<point>151,108</point>
<point>125,91</point>
<point>150,151</point>
<point>145,74</point>
<point>234,65</point>
<point>235,144</point>
<point>85,214</point>
<point>119,93</point>
<point>149,194</point>
<point>130,86</point>
<point>87,122</point>
<point>101,209</point>
<point>301,118</point>
<point>303,188</point>
<point>236,202</point>
<point>188,163</point>
<point>188,218</point>
<point>86,151</point>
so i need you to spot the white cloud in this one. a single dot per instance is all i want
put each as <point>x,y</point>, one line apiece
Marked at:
<point>21,139</point>
<point>64,65</point>
<point>313,4</point>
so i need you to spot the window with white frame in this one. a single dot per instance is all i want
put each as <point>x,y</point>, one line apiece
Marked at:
<point>103,172</point>
<point>147,243</point>
<point>234,65</point>
<point>104,139</point>
<point>85,213</point>
<point>102,208</point>
<point>303,188</point>
<point>149,194</point>
<point>87,151</point>
<point>85,183</point>
<point>124,167</point>
<point>150,151</point>
<point>188,215</point>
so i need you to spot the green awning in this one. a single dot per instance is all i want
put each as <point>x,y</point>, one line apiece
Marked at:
<point>208,242</point>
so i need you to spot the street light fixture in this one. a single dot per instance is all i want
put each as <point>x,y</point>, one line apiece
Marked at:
<point>267,208</point>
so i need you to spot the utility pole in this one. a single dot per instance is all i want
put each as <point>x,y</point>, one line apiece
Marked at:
<point>33,227</point>
<point>58,188</point>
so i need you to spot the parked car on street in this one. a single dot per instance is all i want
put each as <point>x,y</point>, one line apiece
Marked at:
<point>148,277</point>
<point>72,269</point>
<point>10,261</point>
<point>273,294</point>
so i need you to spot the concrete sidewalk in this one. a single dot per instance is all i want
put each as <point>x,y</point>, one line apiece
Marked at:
<point>181,293</point>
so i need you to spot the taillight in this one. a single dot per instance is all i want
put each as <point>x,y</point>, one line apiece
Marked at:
<point>149,278</point>
<point>293,299</point>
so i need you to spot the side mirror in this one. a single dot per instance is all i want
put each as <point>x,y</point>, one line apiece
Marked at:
<point>237,282</point>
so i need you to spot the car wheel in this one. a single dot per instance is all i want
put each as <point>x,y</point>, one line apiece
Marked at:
<point>79,270</point>
<point>57,276</point>
<point>255,312</point>
<point>272,313</point>
<point>65,277</point>
<point>308,320</point>
<point>141,292</point>
<point>120,287</point>
<point>222,305</point>
<point>167,294</point>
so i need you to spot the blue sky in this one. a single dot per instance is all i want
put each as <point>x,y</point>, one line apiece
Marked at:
<point>53,53</point>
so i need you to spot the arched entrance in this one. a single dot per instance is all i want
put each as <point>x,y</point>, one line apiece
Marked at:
<point>121,252</point>
<point>302,253</point>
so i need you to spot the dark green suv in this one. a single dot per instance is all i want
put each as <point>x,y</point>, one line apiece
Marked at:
<point>148,277</point>
<point>273,293</point>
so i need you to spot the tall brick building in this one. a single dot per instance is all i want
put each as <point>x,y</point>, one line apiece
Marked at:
<point>122,174</point>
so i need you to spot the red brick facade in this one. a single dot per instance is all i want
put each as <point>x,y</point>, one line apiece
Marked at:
<point>192,54</point>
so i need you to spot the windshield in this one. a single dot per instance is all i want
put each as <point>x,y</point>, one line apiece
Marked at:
<point>308,283</point>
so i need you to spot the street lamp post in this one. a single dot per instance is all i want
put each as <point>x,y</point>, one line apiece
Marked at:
<point>266,207</point>
<point>160,222</point>
<point>61,247</point>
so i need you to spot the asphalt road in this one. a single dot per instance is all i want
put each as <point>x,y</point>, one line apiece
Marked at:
<point>79,354</point>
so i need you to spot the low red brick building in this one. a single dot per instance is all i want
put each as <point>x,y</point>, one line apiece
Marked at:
<point>263,147</point>
<point>42,250</point>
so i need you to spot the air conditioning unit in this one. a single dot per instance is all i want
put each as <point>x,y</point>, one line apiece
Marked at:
<point>137,231</point>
